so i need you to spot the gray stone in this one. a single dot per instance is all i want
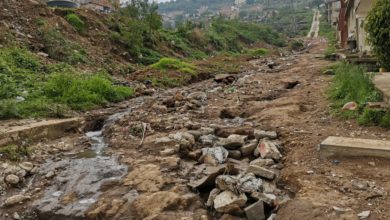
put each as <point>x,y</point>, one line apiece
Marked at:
<point>201,96</point>
<point>260,134</point>
<point>255,211</point>
<point>208,140</point>
<point>233,142</point>
<point>213,194</point>
<point>228,202</point>
<point>364,214</point>
<point>269,150</point>
<point>262,162</point>
<point>16,216</point>
<point>214,156</point>
<point>12,179</point>
<point>163,140</point>
<point>168,152</point>
<point>16,199</point>
<point>239,184</point>
<point>248,149</point>
<point>235,154</point>
<point>261,172</point>
<point>27,166</point>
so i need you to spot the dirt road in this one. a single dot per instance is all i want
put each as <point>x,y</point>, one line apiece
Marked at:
<point>283,94</point>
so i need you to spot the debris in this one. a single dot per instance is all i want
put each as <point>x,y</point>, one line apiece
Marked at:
<point>224,78</point>
<point>269,199</point>
<point>352,106</point>
<point>201,96</point>
<point>372,163</point>
<point>12,179</point>
<point>268,150</point>
<point>16,216</point>
<point>364,214</point>
<point>229,202</point>
<point>27,166</point>
<point>13,200</point>
<point>208,180</point>
<point>167,152</point>
<point>260,171</point>
<point>235,154</point>
<point>260,134</point>
<point>214,156</point>
<point>239,184</point>
<point>163,141</point>
<point>255,211</point>
<point>233,142</point>
<point>213,194</point>
<point>262,162</point>
<point>208,140</point>
<point>248,149</point>
<point>310,172</point>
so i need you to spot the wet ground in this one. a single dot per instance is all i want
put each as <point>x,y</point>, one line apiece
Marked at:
<point>148,162</point>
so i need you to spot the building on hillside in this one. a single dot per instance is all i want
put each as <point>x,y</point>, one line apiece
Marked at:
<point>355,14</point>
<point>104,6</point>
<point>333,10</point>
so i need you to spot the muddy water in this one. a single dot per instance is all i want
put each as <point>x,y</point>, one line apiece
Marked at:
<point>75,182</point>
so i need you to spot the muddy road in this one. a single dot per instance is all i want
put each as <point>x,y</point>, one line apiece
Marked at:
<point>158,159</point>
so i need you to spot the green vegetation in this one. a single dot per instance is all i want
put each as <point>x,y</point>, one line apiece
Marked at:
<point>61,49</point>
<point>31,89</point>
<point>14,153</point>
<point>257,53</point>
<point>76,22</point>
<point>378,28</point>
<point>351,83</point>
<point>296,45</point>
<point>329,32</point>
<point>174,64</point>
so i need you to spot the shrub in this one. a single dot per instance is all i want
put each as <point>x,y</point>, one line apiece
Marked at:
<point>174,64</point>
<point>378,28</point>
<point>76,22</point>
<point>296,45</point>
<point>258,52</point>
<point>14,153</point>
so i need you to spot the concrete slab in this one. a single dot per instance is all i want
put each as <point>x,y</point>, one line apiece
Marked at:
<point>382,83</point>
<point>354,147</point>
<point>49,129</point>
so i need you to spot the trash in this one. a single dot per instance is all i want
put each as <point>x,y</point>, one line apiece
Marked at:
<point>214,156</point>
<point>352,106</point>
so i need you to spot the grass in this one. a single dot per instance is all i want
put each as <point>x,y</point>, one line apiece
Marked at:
<point>329,32</point>
<point>32,89</point>
<point>257,53</point>
<point>166,64</point>
<point>351,83</point>
<point>76,22</point>
<point>14,152</point>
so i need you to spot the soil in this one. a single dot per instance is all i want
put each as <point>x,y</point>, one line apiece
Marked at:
<point>290,98</point>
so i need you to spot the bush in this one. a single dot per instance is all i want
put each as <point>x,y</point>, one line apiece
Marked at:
<point>378,28</point>
<point>296,45</point>
<point>14,153</point>
<point>76,22</point>
<point>174,64</point>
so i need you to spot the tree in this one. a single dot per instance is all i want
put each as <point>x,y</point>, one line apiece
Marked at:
<point>378,28</point>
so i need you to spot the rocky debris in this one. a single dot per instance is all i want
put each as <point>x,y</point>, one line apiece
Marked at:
<point>364,214</point>
<point>208,140</point>
<point>255,211</point>
<point>239,184</point>
<point>267,198</point>
<point>168,152</point>
<point>213,194</point>
<point>262,162</point>
<point>224,78</point>
<point>12,179</point>
<point>233,142</point>
<point>210,174</point>
<point>249,148</point>
<point>16,199</point>
<point>229,202</point>
<point>351,106</point>
<point>163,141</point>
<point>200,96</point>
<point>235,154</point>
<point>269,150</point>
<point>27,166</point>
<point>260,134</point>
<point>214,156</point>
<point>261,172</point>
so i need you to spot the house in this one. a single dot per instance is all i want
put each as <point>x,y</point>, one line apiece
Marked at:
<point>333,10</point>
<point>354,15</point>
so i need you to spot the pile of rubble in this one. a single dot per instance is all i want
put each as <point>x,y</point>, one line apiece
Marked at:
<point>237,174</point>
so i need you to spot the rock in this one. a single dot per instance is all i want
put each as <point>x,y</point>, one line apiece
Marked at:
<point>268,150</point>
<point>255,211</point>
<point>272,217</point>
<point>27,166</point>
<point>235,154</point>
<point>214,156</point>
<point>248,149</point>
<point>262,162</point>
<point>201,96</point>
<point>233,142</point>
<point>351,106</point>
<point>183,137</point>
<point>364,214</point>
<point>42,54</point>
<point>12,179</point>
<point>372,164</point>
<point>260,134</point>
<point>160,108</point>
<point>224,78</point>
<point>167,152</point>
<point>208,140</point>
<point>229,202</point>
<point>13,200</point>
<point>239,184</point>
<point>329,72</point>
<point>227,131</point>
<point>163,141</point>
<point>261,172</point>
<point>16,216</point>
<point>269,199</point>
<point>213,194</point>
<point>211,174</point>
<point>49,175</point>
